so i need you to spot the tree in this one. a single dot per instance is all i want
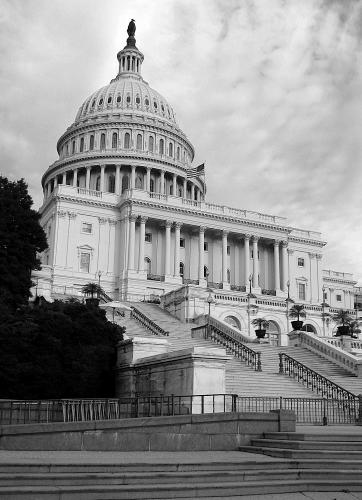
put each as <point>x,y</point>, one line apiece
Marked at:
<point>21,238</point>
<point>343,318</point>
<point>261,323</point>
<point>297,311</point>
<point>58,350</point>
<point>92,289</point>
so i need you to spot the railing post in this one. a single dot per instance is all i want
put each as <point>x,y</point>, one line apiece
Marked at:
<point>172,405</point>
<point>258,363</point>
<point>325,411</point>
<point>281,367</point>
<point>202,404</point>
<point>233,402</point>
<point>359,418</point>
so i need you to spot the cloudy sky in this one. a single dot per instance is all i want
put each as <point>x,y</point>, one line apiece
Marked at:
<point>268,91</point>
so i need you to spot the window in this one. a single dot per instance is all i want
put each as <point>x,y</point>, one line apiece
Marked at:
<point>91,142</point>
<point>206,246</point>
<point>182,243</point>
<point>148,237</point>
<point>100,102</point>
<point>114,140</point>
<point>155,104</point>
<point>93,103</point>
<point>170,149</point>
<point>147,102</point>
<point>103,141</point>
<point>163,108</point>
<point>138,100</point>
<point>182,269</point>
<point>325,296</point>
<point>139,141</point>
<point>139,182</point>
<point>111,183</point>
<point>127,140</point>
<point>300,262</point>
<point>84,262</point>
<point>339,298</point>
<point>109,100</point>
<point>206,272</point>
<point>178,153</point>
<point>128,99</point>
<point>150,144</point>
<point>228,250</point>
<point>228,275</point>
<point>148,265</point>
<point>119,99</point>
<point>81,145</point>
<point>86,227</point>
<point>67,150</point>
<point>162,146</point>
<point>152,186</point>
<point>98,183</point>
<point>73,147</point>
<point>301,291</point>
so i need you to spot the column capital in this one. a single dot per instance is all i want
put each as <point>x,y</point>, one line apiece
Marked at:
<point>133,167</point>
<point>132,217</point>
<point>168,223</point>
<point>112,222</point>
<point>225,233</point>
<point>143,219</point>
<point>102,167</point>
<point>149,169</point>
<point>255,238</point>
<point>276,243</point>
<point>319,256</point>
<point>312,255</point>
<point>290,251</point>
<point>202,229</point>
<point>61,213</point>
<point>178,225</point>
<point>247,236</point>
<point>285,243</point>
<point>102,220</point>
<point>72,215</point>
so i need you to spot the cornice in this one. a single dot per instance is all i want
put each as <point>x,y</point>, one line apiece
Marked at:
<point>307,241</point>
<point>339,280</point>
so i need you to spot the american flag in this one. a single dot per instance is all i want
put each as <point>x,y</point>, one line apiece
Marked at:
<point>196,171</point>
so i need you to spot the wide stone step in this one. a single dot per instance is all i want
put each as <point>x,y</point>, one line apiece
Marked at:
<point>314,445</point>
<point>296,436</point>
<point>304,454</point>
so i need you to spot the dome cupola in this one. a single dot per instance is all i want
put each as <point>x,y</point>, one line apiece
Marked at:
<point>130,58</point>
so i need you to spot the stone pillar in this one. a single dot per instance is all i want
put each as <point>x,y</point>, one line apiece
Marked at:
<point>102,178</point>
<point>192,192</point>
<point>319,284</point>
<point>224,256</point>
<point>291,266</point>
<point>75,177</point>
<point>284,266</point>
<point>133,177</point>
<point>177,249</point>
<point>87,178</point>
<point>141,253</point>
<point>185,188</point>
<point>201,253</point>
<point>47,189</point>
<point>148,179</point>
<point>311,287</point>
<point>174,185</point>
<point>64,179</point>
<point>117,188</point>
<point>55,181</point>
<point>131,245</point>
<point>276,265</point>
<point>162,182</point>
<point>247,259</point>
<point>167,247</point>
<point>255,262</point>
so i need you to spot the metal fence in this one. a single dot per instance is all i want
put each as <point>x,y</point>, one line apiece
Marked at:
<point>318,411</point>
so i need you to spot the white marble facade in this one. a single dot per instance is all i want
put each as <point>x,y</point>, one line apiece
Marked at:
<point>120,207</point>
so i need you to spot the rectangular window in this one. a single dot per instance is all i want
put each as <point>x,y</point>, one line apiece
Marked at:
<point>86,228</point>
<point>148,237</point>
<point>206,246</point>
<point>325,296</point>
<point>301,291</point>
<point>339,298</point>
<point>300,262</point>
<point>182,243</point>
<point>84,262</point>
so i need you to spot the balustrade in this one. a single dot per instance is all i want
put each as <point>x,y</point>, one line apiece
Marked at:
<point>148,323</point>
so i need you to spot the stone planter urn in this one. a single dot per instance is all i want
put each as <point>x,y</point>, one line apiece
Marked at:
<point>297,325</point>
<point>342,330</point>
<point>92,301</point>
<point>260,333</point>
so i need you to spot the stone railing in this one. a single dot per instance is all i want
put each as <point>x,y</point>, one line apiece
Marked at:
<point>148,323</point>
<point>230,338</point>
<point>328,350</point>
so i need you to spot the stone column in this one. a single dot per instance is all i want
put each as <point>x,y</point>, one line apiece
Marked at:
<point>167,247</point>
<point>292,290</point>
<point>148,179</point>
<point>133,177</point>
<point>255,262</point>
<point>75,177</point>
<point>141,253</point>
<point>185,188</point>
<point>64,179</point>
<point>87,178</point>
<point>319,284</point>
<point>192,192</point>
<point>284,266</point>
<point>131,246</point>
<point>311,288</point>
<point>224,256</point>
<point>247,259</point>
<point>276,265</point>
<point>177,249</point>
<point>102,178</point>
<point>117,188</point>
<point>162,182</point>
<point>174,185</point>
<point>55,181</point>
<point>201,252</point>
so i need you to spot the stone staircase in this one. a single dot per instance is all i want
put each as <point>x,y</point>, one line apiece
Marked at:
<point>241,379</point>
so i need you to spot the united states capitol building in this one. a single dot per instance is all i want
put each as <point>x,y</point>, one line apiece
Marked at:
<point>125,206</point>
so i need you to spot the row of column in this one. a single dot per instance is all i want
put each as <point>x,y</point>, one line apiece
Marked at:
<point>279,284</point>
<point>195,191</point>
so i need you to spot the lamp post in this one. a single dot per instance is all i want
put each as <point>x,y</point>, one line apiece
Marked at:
<point>249,296</point>
<point>99,282</point>
<point>210,300</point>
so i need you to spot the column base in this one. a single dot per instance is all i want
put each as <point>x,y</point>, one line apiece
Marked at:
<point>226,286</point>
<point>256,290</point>
<point>203,283</point>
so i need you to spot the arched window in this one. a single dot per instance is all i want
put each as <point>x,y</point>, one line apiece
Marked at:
<point>178,153</point>
<point>93,103</point>
<point>81,145</point>
<point>152,186</point>
<point>273,333</point>
<point>73,147</point>
<point>103,141</point>
<point>206,272</point>
<point>150,144</point>
<point>67,149</point>
<point>128,99</point>
<point>231,320</point>
<point>127,140</point>
<point>138,100</point>
<point>91,142</point>
<point>155,104</point>
<point>228,275</point>
<point>148,265</point>
<point>109,100</point>
<point>119,98</point>
<point>139,182</point>
<point>111,183</point>
<point>139,141</point>
<point>147,102</point>
<point>114,140</point>
<point>309,328</point>
<point>162,146</point>
<point>125,183</point>
<point>170,149</point>
<point>98,183</point>
<point>101,102</point>
<point>182,269</point>
<point>180,191</point>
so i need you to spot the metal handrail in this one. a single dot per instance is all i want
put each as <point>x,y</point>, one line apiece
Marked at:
<point>312,379</point>
<point>233,345</point>
<point>147,322</point>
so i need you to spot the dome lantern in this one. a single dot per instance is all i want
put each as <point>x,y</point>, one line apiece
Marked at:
<point>130,58</point>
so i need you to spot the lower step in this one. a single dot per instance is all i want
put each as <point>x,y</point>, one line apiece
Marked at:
<point>303,454</point>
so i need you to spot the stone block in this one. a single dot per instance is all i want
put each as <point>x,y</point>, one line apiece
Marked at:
<point>179,442</point>
<point>115,441</point>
